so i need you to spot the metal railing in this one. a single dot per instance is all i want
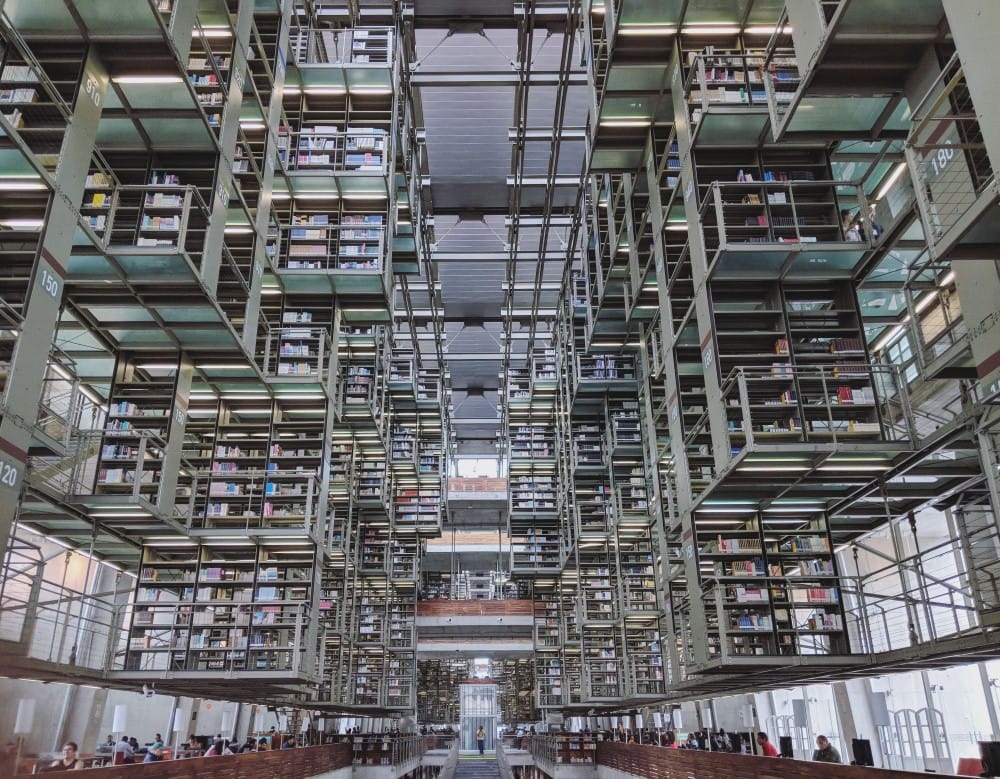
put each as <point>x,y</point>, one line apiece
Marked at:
<point>285,499</point>
<point>325,148</point>
<point>297,352</point>
<point>786,404</point>
<point>156,217</point>
<point>383,749</point>
<point>947,156</point>
<point>55,622</point>
<point>358,46</point>
<point>796,211</point>
<point>724,79</point>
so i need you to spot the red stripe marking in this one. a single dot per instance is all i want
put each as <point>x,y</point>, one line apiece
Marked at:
<point>987,366</point>
<point>56,266</point>
<point>19,454</point>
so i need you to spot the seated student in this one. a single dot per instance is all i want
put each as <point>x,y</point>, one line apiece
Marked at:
<point>70,761</point>
<point>766,747</point>
<point>218,748</point>
<point>123,752</point>
<point>825,752</point>
<point>250,745</point>
<point>262,745</point>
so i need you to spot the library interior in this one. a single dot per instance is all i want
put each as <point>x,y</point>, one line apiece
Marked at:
<point>500,389</point>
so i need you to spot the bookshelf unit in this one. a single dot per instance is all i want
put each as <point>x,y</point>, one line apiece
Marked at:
<point>140,409</point>
<point>533,442</point>
<point>773,584</point>
<point>417,507</point>
<point>603,658</point>
<point>600,599</point>
<point>221,609</point>
<point>549,682</point>
<point>576,749</point>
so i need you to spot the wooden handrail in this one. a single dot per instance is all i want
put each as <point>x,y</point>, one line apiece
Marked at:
<point>663,763</point>
<point>298,763</point>
<point>474,608</point>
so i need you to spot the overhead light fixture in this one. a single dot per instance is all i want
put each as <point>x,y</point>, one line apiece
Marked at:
<point>317,196</point>
<point>237,229</point>
<point>148,79</point>
<point>332,90</point>
<point>647,29</point>
<point>625,122</point>
<point>763,29</point>
<point>212,32</point>
<point>710,30</point>
<point>23,224</point>
<point>252,124</point>
<point>20,183</point>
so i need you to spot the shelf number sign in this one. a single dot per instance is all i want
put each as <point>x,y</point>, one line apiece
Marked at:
<point>92,89</point>
<point>49,283</point>
<point>941,158</point>
<point>11,466</point>
<point>49,276</point>
<point>708,355</point>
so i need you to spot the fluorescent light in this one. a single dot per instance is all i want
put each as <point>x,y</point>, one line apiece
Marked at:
<point>892,180</point>
<point>770,468</point>
<point>237,230</point>
<point>325,90</point>
<point>317,196</point>
<point>212,32</point>
<point>261,412</point>
<point>156,366</point>
<point>6,185</point>
<point>625,122</point>
<point>123,514</point>
<point>252,124</point>
<point>372,91</point>
<point>763,29</point>
<point>853,467</point>
<point>647,29</point>
<point>710,30</point>
<point>150,79</point>
<point>221,366</point>
<point>22,224</point>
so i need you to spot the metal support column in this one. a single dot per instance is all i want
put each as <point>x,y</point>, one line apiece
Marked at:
<point>45,294</point>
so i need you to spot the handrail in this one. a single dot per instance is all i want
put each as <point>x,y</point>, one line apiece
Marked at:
<point>298,763</point>
<point>653,762</point>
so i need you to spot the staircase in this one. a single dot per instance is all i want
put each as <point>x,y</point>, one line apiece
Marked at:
<point>477,766</point>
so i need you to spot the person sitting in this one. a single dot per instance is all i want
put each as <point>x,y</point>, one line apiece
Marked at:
<point>70,760</point>
<point>123,752</point>
<point>218,748</point>
<point>825,752</point>
<point>249,746</point>
<point>154,753</point>
<point>766,747</point>
<point>262,745</point>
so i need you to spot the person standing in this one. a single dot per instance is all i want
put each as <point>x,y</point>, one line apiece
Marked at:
<point>825,752</point>
<point>766,747</point>
<point>481,739</point>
